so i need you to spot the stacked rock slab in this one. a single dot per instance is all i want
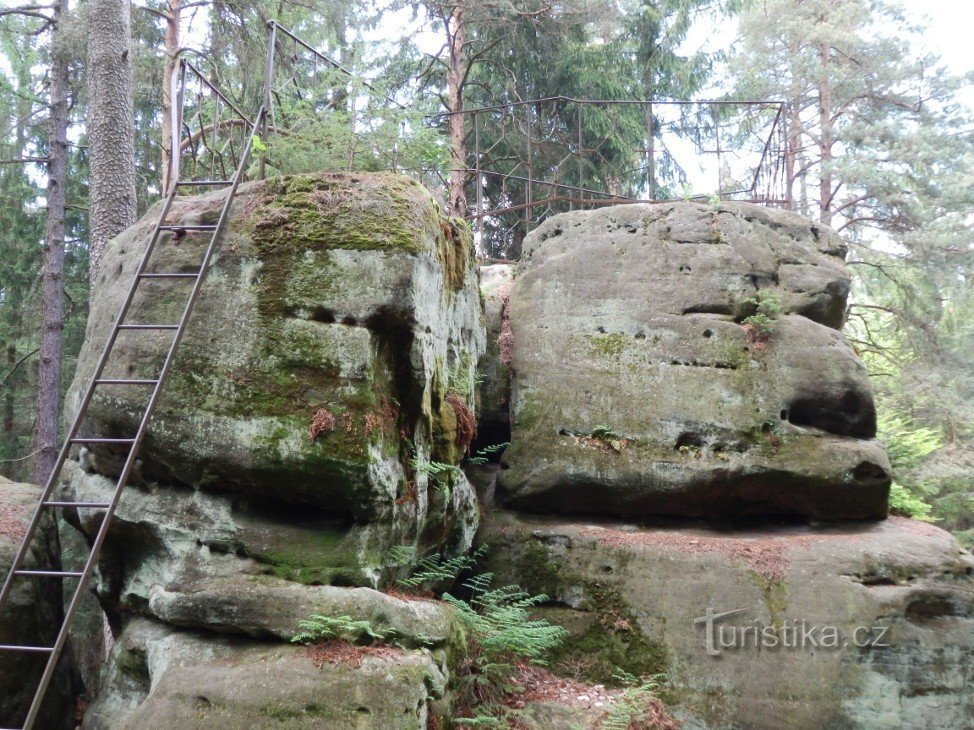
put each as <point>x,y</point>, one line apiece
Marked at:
<point>331,355</point>
<point>726,471</point>
<point>31,615</point>
<point>639,389</point>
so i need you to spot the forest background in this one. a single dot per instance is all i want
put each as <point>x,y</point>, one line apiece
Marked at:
<point>880,133</point>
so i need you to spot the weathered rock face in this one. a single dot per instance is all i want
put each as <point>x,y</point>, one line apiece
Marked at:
<point>637,598</point>
<point>31,615</point>
<point>162,678</point>
<point>638,390</point>
<point>330,360</point>
<point>333,345</point>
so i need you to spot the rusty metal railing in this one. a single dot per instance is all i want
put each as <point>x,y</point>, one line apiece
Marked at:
<point>532,159</point>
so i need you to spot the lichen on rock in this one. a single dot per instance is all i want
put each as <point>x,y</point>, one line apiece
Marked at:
<point>634,320</point>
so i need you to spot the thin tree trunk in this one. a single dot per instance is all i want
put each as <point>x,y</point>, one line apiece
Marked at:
<point>825,128</point>
<point>457,32</point>
<point>111,135</point>
<point>169,69</point>
<point>8,396</point>
<point>49,369</point>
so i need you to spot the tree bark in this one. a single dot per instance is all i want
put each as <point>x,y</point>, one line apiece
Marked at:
<point>825,131</point>
<point>173,10</point>
<point>111,134</point>
<point>52,302</point>
<point>456,73</point>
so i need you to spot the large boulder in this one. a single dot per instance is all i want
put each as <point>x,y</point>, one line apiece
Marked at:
<point>867,625</point>
<point>330,359</point>
<point>644,384</point>
<point>32,615</point>
<point>160,678</point>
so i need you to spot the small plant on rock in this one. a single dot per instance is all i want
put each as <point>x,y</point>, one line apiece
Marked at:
<point>440,474</point>
<point>321,628</point>
<point>501,633</point>
<point>763,322</point>
<point>484,455</point>
<point>638,708</point>
<point>437,569</point>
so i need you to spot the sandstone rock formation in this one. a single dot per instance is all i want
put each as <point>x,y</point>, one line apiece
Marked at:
<point>633,597</point>
<point>303,458</point>
<point>639,389</point>
<point>31,616</point>
<point>329,363</point>
<point>339,316</point>
<point>159,679</point>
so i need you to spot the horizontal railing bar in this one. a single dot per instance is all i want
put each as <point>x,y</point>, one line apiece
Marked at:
<point>50,573</point>
<point>92,505</point>
<point>18,647</point>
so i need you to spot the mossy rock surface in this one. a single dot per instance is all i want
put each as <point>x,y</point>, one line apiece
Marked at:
<point>636,597</point>
<point>161,678</point>
<point>640,386</point>
<point>338,312</point>
<point>331,291</point>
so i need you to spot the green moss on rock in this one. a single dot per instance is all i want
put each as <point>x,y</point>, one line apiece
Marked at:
<point>324,211</point>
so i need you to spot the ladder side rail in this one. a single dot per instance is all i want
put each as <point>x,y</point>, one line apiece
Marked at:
<point>83,407</point>
<point>133,452</point>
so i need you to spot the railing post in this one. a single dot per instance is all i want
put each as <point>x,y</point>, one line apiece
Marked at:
<point>581,158</point>
<point>650,151</point>
<point>527,190</point>
<point>268,83</point>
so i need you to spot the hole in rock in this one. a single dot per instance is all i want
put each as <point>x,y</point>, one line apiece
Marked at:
<point>708,333</point>
<point>927,608</point>
<point>350,320</point>
<point>689,439</point>
<point>866,471</point>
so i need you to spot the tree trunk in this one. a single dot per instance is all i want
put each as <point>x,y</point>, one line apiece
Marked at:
<point>825,144</point>
<point>457,33</point>
<point>168,71</point>
<point>111,134</point>
<point>52,302</point>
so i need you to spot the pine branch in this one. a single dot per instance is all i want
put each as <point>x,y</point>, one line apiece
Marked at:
<point>16,365</point>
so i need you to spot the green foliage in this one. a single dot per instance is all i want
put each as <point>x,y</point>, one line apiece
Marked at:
<point>437,569</point>
<point>501,632</point>
<point>633,704</point>
<point>905,503</point>
<point>441,474</point>
<point>765,306</point>
<point>484,455</point>
<point>320,628</point>
<point>606,435</point>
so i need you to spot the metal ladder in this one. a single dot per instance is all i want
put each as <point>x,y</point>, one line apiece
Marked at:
<point>17,571</point>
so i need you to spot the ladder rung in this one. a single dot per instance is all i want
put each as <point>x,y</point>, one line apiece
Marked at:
<point>92,505</point>
<point>180,227</point>
<point>19,647</point>
<point>124,381</point>
<point>101,441</point>
<point>50,573</point>
<point>204,182</point>
<point>148,326</point>
<point>169,275</point>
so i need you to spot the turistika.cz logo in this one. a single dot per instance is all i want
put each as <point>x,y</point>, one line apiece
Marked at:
<point>789,635</point>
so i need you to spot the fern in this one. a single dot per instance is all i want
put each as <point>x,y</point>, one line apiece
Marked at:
<point>441,474</point>
<point>401,555</point>
<point>484,454</point>
<point>320,627</point>
<point>437,569</point>
<point>633,703</point>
